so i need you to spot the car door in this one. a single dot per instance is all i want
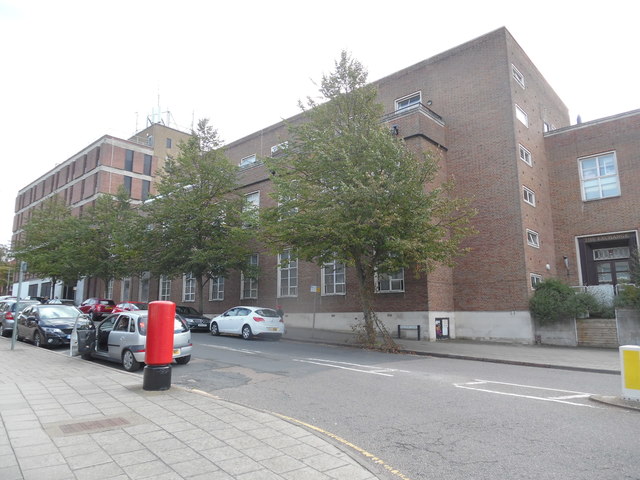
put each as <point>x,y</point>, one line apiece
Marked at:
<point>104,330</point>
<point>239,319</point>
<point>22,324</point>
<point>226,321</point>
<point>121,336</point>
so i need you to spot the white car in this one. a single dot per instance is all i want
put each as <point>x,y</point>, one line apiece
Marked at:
<point>249,322</point>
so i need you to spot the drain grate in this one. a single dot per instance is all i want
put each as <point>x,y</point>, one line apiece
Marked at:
<point>93,425</point>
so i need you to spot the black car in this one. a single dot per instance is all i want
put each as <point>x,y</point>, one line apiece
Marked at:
<point>50,325</point>
<point>194,318</point>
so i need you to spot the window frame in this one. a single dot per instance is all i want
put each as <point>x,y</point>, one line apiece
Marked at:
<point>529,199</point>
<point>333,274</point>
<point>248,160</point>
<point>535,279</point>
<point>379,277</point>
<point>288,273</point>
<point>517,75</point>
<point>253,282</point>
<point>407,98</point>
<point>523,116</point>
<point>525,155</point>
<point>216,289</point>
<point>533,238</point>
<point>599,177</point>
<point>164,288</point>
<point>188,288</point>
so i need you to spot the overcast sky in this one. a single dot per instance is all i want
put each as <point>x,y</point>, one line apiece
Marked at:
<point>73,71</point>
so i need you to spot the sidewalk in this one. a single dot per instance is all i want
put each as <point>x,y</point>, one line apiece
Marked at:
<point>66,418</point>
<point>599,360</point>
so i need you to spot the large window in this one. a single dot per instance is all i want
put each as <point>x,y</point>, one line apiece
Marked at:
<point>128,160</point>
<point>165,288</point>
<point>249,284</point>
<point>599,176</point>
<point>216,289</point>
<point>287,274</point>
<point>409,101</point>
<point>148,163</point>
<point>188,288</point>
<point>390,282</point>
<point>333,279</point>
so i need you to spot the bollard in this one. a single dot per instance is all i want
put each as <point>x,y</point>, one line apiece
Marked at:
<point>630,371</point>
<point>159,347</point>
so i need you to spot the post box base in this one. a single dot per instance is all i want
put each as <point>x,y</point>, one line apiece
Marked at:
<point>156,377</point>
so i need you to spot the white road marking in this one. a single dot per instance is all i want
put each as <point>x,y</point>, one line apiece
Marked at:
<point>556,399</point>
<point>358,365</point>
<point>342,367</point>
<point>240,350</point>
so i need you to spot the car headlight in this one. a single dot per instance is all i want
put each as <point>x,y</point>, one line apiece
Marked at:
<point>51,330</point>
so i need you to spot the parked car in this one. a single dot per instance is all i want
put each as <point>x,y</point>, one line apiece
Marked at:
<point>193,317</point>
<point>61,301</point>
<point>50,325</point>
<point>130,306</point>
<point>8,314</point>
<point>97,308</point>
<point>122,338</point>
<point>249,322</point>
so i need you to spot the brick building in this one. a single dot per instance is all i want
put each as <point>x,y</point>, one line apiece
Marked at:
<point>553,200</point>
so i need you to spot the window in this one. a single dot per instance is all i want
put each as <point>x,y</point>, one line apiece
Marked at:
<point>188,288</point>
<point>126,289</point>
<point>109,290</point>
<point>146,185</point>
<point>546,127</point>
<point>599,176</point>
<point>276,149</point>
<point>517,75</point>
<point>128,160</point>
<point>525,155</point>
<point>529,196</point>
<point>535,280</point>
<point>390,282</point>
<point>148,160</point>
<point>333,279</point>
<point>165,287</point>
<point>611,253</point>
<point>522,116</point>
<point>216,289</point>
<point>248,160</point>
<point>127,185</point>
<point>533,238</point>
<point>143,287</point>
<point>287,274</point>
<point>252,206</point>
<point>249,285</point>
<point>150,140</point>
<point>409,101</point>
<point>169,143</point>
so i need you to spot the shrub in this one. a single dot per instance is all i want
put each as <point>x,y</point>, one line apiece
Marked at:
<point>554,300</point>
<point>629,297</point>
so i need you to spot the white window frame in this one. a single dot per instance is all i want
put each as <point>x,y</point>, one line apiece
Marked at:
<point>409,103</point>
<point>517,75</point>
<point>529,196</point>
<point>109,289</point>
<point>216,289</point>
<point>396,282</point>
<point>534,280</point>
<point>248,160</point>
<point>522,116</point>
<point>188,287</point>
<point>276,148</point>
<point>525,155</point>
<point>533,238</point>
<point>599,177</point>
<point>287,274</point>
<point>164,288</point>
<point>143,286</point>
<point>125,289</point>
<point>252,282</point>
<point>253,198</point>
<point>334,270</point>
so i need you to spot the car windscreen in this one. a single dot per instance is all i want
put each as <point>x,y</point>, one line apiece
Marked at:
<point>178,325</point>
<point>267,312</point>
<point>187,310</point>
<point>107,302</point>
<point>50,312</point>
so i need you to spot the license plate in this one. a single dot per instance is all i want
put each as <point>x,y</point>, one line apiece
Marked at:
<point>176,351</point>
<point>203,325</point>
<point>273,329</point>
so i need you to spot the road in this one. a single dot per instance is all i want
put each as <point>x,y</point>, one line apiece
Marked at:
<point>429,417</point>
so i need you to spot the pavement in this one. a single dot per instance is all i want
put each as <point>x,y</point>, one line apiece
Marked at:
<point>66,418</point>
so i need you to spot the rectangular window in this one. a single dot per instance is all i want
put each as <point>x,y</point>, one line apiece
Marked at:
<point>529,196</point>
<point>390,282</point>
<point>251,207</point>
<point>287,274</point>
<point>165,288</point>
<point>611,253</point>
<point>535,280</point>
<point>216,289</point>
<point>143,287</point>
<point>517,75</point>
<point>127,185</point>
<point>128,160</point>
<point>333,279</point>
<point>248,160</point>
<point>599,176</point>
<point>188,288</point>
<point>409,101</point>
<point>109,290</point>
<point>522,116</point>
<point>169,143</point>
<point>276,149</point>
<point>525,155</point>
<point>546,127</point>
<point>146,186</point>
<point>533,239</point>
<point>249,285</point>
<point>148,160</point>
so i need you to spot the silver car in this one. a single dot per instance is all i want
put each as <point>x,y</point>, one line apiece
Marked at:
<point>8,314</point>
<point>122,338</point>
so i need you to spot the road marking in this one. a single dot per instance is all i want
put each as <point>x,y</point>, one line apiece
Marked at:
<point>557,399</point>
<point>240,350</point>
<point>358,365</point>
<point>370,456</point>
<point>351,366</point>
<point>343,367</point>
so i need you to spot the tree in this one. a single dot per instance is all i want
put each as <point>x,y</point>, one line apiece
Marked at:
<point>196,220</point>
<point>348,190</point>
<point>5,269</point>
<point>49,243</point>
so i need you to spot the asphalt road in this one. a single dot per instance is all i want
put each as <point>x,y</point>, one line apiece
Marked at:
<point>430,418</point>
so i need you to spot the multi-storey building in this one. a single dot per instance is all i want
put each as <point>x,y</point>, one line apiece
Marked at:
<point>553,200</point>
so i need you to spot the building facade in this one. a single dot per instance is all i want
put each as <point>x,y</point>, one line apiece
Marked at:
<point>553,200</point>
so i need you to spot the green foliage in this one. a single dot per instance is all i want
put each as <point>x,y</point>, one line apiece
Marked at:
<point>628,297</point>
<point>349,190</point>
<point>554,300</point>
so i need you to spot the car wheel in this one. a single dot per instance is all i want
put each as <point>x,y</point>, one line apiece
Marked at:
<point>246,332</point>
<point>3,332</point>
<point>37,339</point>
<point>214,329</point>
<point>129,362</point>
<point>183,360</point>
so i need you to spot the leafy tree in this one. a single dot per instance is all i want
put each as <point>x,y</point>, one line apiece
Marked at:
<point>196,220</point>
<point>348,190</point>
<point>5,269</point>
<point>554,300</point>
<point>49,243</point>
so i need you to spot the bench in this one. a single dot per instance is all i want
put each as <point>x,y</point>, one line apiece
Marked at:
<point>409,327</point>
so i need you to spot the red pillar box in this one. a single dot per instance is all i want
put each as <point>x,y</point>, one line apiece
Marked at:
<point>159,348</point>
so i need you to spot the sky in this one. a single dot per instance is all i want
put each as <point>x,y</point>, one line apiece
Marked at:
<point>73,71</point>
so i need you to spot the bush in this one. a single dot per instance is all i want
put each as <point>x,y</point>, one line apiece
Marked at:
<point>554,300</point>
<point>628,297</point>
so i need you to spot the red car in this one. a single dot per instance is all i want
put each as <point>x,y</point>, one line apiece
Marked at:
<point>130,306</point>
<point>97,308</point>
